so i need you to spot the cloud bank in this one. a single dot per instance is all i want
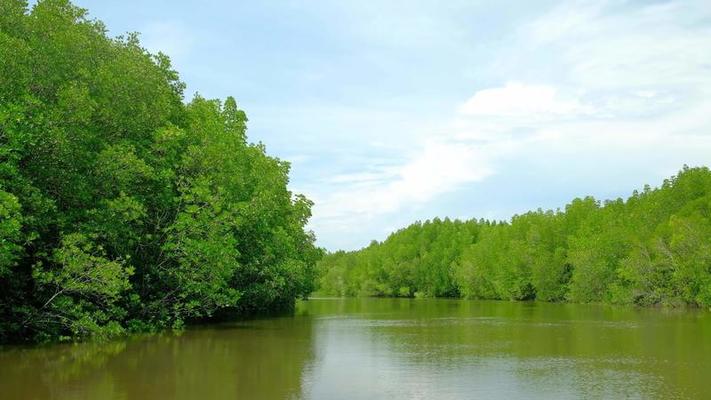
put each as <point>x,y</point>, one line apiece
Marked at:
<point>583,89</point>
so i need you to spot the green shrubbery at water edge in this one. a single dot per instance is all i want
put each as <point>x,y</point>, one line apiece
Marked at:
<point>653,248</point>
<point>121,207</point>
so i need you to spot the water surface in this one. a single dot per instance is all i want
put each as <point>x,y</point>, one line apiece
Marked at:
<point>389,349</point>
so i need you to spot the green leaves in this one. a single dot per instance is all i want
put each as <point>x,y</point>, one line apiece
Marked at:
<point>80,289</point>
<point>10,234</point>
<point>417,259</point>
<point>118,169</point>
<point>84,270</point>
<point>652,249</point>
<point>121,206</point>
<point>203,256</point>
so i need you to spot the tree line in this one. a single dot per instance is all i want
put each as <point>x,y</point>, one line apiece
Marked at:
<point>654,248</point>
<point>122,208</point>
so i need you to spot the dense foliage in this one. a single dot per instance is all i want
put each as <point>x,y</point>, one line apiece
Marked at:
<point>121,207</point>
<point>653,248</point>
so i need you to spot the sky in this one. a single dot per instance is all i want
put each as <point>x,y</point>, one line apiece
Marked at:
<point>392,112</point>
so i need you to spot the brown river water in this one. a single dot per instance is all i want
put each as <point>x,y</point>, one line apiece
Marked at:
<point>388,349</point>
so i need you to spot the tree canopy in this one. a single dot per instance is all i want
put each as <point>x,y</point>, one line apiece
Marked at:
<point>121,206</point>
<point>652,248</point>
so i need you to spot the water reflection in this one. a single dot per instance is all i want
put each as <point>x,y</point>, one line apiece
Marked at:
<point>456,349</point>
<point>251,360</point>
<point>389,348</point>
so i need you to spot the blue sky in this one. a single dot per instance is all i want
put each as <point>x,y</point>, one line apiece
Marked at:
<point>397,111</point>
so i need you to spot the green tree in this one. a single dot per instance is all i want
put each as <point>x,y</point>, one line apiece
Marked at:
<point>121,206</point>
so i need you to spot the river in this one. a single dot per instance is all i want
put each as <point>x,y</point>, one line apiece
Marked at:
<point>388,349</point>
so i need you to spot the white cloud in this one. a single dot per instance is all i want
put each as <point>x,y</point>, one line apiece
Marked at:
<point>607,45</point>
<point>437,167</point>
<point>631,94</point>
<point>521,100</point>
